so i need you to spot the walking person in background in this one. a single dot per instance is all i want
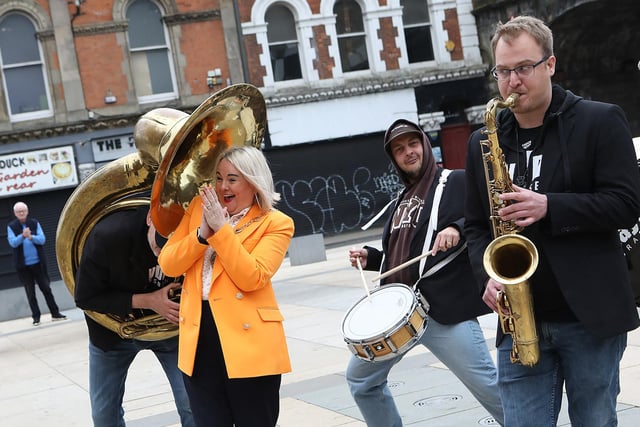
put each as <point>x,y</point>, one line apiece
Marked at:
<point>419,224</point>
<point>576,182</point>
<point>229,244</point>
<point>27,239</point>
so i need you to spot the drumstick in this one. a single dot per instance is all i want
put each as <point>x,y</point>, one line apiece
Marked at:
<point>364,282</point>
<point>401,266</point>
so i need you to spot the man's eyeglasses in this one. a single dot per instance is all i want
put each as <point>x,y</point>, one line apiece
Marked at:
<point>521,71</point>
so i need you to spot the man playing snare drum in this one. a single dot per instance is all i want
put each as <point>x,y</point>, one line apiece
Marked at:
<point>445,278</point>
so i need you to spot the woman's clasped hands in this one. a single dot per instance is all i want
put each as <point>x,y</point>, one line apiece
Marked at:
<point>214,216</point>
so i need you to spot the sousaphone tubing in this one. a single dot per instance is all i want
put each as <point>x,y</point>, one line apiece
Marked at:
<point>176,155</point>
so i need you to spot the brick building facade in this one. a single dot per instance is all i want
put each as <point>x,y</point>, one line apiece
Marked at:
<point>407,50</point>
<point>77,75</point>
<point>336,74</point>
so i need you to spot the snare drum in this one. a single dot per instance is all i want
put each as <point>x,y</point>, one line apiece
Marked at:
<point>386,323</point>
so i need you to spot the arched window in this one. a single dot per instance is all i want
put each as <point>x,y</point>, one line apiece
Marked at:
<point>153,76</point>
<point>352,41</point>
<point>283,44</point>
<point>23,76</point>
<point>417,30</point>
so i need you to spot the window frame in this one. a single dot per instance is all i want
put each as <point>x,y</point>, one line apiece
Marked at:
<point>359,34</point>
<point>415,26</point>
<point>286,42</point>
<point>162,96</point>
<point>31,115</point>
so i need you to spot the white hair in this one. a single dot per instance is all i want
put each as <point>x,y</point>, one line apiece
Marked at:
<point>19,205</point>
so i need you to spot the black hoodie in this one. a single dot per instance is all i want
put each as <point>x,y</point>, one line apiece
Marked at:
<point>592,185</point>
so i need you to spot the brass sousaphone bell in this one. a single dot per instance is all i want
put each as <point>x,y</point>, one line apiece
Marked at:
<point>229,118</point>
<point>177,154</point>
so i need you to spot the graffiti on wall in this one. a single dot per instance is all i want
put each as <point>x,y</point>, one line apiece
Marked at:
<point>337,203</point>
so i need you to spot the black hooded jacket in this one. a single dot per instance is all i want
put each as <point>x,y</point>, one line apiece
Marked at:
<point>115,264</point>
<point>587,169</point>
<point>452,291</point>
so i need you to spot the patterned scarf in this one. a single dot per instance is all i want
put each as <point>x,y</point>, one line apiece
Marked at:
<point>210,255</point>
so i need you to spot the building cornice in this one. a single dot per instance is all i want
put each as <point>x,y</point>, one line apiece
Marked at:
<point>101,28</point>
<point>121,26</point>
<point>364,86</point>
<point>199,16</point>
<point>292,95</point>
<point>59,130</point>
<point>99,123</point>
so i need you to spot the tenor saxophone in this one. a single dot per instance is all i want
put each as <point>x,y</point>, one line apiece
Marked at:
<point>510,258</point>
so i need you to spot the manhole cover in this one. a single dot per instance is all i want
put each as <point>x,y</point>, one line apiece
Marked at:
<point>488,421</point>
<point>438,400</point>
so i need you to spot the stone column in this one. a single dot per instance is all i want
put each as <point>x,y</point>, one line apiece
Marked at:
<point>69,71</point>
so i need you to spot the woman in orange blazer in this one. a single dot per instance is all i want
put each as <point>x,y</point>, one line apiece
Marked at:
<point>229,244</point>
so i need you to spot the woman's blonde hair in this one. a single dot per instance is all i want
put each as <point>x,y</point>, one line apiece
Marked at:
<point>253,166</point>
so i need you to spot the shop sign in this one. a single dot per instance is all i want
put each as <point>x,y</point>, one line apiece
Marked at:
<point>35,171</point>
<point>112,147</point>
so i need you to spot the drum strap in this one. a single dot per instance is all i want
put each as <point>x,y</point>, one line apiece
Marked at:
<point>433,224</point>
<point>433,270</point>
<point>378,215</point>
<point>433,219</point>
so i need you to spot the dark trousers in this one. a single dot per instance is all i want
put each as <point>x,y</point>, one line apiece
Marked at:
<point>218,401</point>
<point>29,276</point>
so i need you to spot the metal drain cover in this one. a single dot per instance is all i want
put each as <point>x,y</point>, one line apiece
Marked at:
<point>445,399</point>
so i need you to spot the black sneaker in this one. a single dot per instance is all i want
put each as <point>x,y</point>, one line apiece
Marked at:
<point>36,322</point>
<point>58,317</point>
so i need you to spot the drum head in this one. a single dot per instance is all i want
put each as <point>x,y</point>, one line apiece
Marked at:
<point>378,313</point>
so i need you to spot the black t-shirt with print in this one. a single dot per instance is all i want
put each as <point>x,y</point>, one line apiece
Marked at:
<point>525,165</point>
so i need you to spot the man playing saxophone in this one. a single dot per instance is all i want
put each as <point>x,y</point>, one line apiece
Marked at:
<point>576,182</point>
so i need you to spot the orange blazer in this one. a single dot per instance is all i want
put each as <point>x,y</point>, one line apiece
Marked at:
<point>242,300</point>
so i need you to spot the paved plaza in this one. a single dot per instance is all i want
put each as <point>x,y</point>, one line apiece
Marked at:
<point>44,369</point>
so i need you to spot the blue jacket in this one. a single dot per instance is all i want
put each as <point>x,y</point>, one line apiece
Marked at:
<point>18,253</point>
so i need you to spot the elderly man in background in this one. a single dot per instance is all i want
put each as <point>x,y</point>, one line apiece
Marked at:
<point>27,239</point>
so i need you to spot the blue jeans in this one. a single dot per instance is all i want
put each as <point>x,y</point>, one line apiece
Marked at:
<point>587,366</point>
<point>461,347</point>
<point>108,372</point>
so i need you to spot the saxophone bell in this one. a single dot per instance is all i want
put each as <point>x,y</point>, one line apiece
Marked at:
<point>511,260</point>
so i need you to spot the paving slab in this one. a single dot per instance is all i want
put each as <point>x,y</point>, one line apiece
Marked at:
<point>44,369</point>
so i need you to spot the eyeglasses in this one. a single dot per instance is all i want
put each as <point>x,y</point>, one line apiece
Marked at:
<point>521,71</point>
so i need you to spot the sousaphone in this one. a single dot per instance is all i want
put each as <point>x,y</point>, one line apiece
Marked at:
<point>176,155</point>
